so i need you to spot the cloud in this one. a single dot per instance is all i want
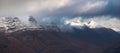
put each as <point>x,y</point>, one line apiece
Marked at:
<point>81,8</point>
<point>46,8</point>
<point>27,7</point>
<point>77,7</point>
<point>92,7</point>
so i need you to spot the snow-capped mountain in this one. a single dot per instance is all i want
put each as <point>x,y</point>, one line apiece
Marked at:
<point>37,41</point>
<point>11,24</point>
<point>80,23</point>
<point>32,22</point>
<point>31,39</point>
<point>91,23</point>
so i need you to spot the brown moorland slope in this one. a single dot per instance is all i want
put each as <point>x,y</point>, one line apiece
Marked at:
<point>37,41</point>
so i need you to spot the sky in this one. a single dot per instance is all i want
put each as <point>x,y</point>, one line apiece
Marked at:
<point>59,7</point>
<point>102,11</point>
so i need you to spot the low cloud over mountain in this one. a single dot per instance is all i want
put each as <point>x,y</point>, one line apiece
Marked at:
<point>59,26</point>
<point>51,10</point>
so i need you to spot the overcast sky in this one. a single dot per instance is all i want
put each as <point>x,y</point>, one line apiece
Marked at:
<point>59,7</point>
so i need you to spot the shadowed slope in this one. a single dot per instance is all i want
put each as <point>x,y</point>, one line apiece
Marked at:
<point>37,41</point>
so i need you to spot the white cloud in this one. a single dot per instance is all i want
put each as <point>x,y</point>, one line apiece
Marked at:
<point>44,7</point>
<point>22,7</point>
<point>92,7</point>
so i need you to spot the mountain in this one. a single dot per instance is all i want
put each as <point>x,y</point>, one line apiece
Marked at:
<point>11,24</point>
<point>51,38</point>
<point>115,48</point>
<point>79,41</point>
<point>43,42</point>
<point>98,36</point>
<point>33,22</point>
<point>91,23</point>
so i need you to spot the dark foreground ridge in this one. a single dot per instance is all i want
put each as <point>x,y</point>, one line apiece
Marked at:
<point>100,40</point>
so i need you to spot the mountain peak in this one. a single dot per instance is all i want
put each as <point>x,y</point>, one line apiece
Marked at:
<point>33,22</point>
<point>92,24</point>
<point>11,24</point>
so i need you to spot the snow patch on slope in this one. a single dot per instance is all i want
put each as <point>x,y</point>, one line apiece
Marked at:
<point>11,24</point>
<point>95,22</point>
